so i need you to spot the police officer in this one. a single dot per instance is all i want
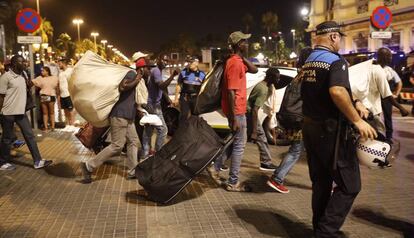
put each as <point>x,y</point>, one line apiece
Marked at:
<point>188,86</point>
<point>329,111</point>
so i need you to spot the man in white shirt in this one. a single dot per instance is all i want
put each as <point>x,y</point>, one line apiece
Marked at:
<point>376,89</point>
<point>65,100</point>
<point>13,98</point>
<point>395,83</point>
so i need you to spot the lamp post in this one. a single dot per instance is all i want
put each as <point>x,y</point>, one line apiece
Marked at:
<point>103,42</point>
<point>94,35</point>
<point>38,6</point>
<point>78,22</point>
<point>293,39</point>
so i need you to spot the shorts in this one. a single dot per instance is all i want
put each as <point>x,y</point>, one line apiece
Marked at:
<point>47,98</point>
<point>66,103</point>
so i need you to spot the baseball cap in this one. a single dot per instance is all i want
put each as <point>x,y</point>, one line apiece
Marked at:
<point>138,55</point>
<point>327,27</point>
<point>140,63</point>
<point>237,36</point>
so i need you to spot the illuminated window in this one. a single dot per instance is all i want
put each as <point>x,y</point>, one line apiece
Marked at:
<point>390,2</point>
<point>394,42</point>
<point>361,42</point>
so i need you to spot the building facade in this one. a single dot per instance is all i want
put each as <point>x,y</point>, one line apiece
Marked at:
<point>354,16</point>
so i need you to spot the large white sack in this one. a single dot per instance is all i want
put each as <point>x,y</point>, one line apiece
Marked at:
<point>359,76</point>
<point>93,87</point>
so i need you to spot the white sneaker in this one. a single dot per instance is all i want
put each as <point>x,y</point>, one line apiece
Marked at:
<point>42,163</point>
<point>7,167</point>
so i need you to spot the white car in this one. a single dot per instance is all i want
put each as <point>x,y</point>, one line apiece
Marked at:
<point>217,120</point>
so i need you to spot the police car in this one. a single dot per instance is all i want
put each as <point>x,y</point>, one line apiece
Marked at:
<point>218,121</point>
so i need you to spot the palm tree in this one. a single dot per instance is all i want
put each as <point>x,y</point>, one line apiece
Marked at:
<point>248,21</point>
<point>45,31</point>
<point>65,45</point>
<point>270,21</point>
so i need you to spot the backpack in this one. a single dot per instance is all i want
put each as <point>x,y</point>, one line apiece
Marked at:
<point>290,114</point>
<point>209,97</point>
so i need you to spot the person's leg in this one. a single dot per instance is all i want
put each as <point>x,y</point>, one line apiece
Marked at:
<point>25,127</point>
<point>318,171</point>
<point>265,157</point>
<point>239,144</point>
<point>184,108</point>
<point>51,107</point>
<point>162,131</point>
<point>118,138</point>
<point>45,115</point>
<point>338,206</point>
<point>288,161</point>
<point>132,146</point>
<point>387,111</point>
<point>7,137</point>
<point>146,139</point>
<point>67,116</point>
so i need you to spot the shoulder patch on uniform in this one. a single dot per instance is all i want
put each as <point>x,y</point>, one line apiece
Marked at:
<point>343,67</point>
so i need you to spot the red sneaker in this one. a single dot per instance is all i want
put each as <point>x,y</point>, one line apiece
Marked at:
<point>277,186</point>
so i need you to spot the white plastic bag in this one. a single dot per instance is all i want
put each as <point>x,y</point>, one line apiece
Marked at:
<point>93,87</point>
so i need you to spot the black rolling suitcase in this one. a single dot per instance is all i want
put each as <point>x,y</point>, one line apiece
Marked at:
<point>194,146</point>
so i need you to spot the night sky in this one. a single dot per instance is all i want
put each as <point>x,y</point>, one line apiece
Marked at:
<point>133,25</point>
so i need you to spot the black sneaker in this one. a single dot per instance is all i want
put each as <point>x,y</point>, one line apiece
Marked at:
<point>267,167</point>
<point>87,175</point>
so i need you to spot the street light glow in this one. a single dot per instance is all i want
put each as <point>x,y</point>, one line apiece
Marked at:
<point>304,11</point>
<point>104,41</point>
<point>110,46</point>
<point>94,34</point>
<point>77,21</point>
<point>293,30</point>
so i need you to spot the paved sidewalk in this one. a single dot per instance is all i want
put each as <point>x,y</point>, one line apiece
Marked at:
<point>51,203</point>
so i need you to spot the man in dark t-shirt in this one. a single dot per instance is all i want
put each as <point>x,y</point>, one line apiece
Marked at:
<point>122,129</point>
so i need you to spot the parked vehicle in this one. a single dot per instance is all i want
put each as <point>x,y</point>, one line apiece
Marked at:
<point>218,121</point>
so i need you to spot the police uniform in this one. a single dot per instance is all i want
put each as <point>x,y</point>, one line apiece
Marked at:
<point>190,86</point>
<point>330,150</point>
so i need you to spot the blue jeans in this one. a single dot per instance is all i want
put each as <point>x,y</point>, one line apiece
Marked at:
<point>287,163</point>
<point>237,150</point>
<point>161,131</point>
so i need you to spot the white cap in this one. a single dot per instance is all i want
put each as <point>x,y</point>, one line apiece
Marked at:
<point>138,55</point>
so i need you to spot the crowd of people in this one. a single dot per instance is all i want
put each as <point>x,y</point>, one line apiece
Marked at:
<point>330,108</point>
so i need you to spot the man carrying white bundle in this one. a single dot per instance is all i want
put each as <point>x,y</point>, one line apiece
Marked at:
<point>122,128</point>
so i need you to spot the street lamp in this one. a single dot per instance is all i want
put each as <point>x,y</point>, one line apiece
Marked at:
<point>94,35</point>
<point>293,39</point>
<point>78,22</point>
<point>103,42</point>
<point>304,11</point>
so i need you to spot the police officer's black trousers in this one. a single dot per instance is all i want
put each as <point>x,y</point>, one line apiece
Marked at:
<point>187,103</point>
<point>387,111</point>
<point>329,210</point>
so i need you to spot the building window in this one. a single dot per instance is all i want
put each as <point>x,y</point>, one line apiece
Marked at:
<point>362,6</point>
<point>390,2</point>
<point>394,42</point>
<point>361,42</point>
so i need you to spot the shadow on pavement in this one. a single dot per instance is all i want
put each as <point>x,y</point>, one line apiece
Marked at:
<point>410,157</point>
<point>192,191</point>
<point>405,134</point>
<point>384,220</point>
<point>62,170</point>
<point>277,224</point>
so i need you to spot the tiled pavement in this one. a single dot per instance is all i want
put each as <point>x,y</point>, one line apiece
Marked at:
<point>51,203</point>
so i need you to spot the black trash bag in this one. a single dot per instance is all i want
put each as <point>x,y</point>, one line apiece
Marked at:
<point>209,97</point>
